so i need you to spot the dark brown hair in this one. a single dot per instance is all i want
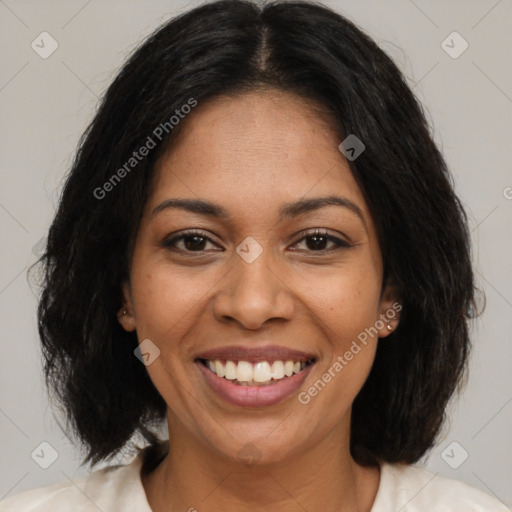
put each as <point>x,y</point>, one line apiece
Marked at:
<point>228,47</point>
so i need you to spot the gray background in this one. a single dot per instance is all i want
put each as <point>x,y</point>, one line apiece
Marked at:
<point>47,103</point>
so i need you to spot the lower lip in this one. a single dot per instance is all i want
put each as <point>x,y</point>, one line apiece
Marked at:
<point>254,396</point>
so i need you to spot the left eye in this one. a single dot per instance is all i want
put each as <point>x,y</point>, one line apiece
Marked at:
<point>318,239</point>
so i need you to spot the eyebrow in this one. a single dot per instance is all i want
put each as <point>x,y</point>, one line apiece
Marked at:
<point>287,211</point>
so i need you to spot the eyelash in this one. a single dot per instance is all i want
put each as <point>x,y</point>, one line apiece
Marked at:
<point>341,244</point>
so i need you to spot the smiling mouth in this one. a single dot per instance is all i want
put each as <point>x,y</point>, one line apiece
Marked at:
<point>261,373</point>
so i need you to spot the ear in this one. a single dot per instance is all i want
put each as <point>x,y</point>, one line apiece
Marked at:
<point>389,310</point>
<point>125,315</point>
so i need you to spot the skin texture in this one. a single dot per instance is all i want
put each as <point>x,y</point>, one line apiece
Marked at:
<point>251,154</point>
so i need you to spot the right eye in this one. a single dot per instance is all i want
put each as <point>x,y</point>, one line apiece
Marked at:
<point>192,242</point>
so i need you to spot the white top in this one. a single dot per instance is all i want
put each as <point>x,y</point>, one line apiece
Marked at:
<point>119,488</point>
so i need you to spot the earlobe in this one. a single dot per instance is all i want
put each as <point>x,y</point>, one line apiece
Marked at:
<point>390,326</point>
<point>125,315</point>
<point>390,307</point>
<point>126,319</point>
<point>389,319</point>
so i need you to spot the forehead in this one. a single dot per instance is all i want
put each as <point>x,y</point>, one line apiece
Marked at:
<point>255,150</point>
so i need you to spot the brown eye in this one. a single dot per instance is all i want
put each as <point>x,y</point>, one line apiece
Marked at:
<point>318,240</point>
<point>191,241</point>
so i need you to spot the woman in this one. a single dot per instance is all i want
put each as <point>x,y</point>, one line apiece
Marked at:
<point>258,242</point>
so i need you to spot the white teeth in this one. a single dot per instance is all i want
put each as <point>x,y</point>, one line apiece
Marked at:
<point>230,370</point>
<point>278,369</point>
<point>261,373</point>
<point>219,369</point>
<point>244,371</point>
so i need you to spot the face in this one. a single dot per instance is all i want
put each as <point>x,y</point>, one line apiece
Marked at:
<point>265,273</point>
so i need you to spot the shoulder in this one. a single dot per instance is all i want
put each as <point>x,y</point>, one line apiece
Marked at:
<point>413,489</point>
<point>111,488</point>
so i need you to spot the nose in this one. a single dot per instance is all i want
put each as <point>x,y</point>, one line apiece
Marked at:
<point>254,293</point>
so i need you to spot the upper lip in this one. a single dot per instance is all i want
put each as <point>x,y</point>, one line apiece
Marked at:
<point>254,354</point>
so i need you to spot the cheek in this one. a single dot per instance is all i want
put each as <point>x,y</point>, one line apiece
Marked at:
<point>166,306</point>
<point>344,307</point>
<point>344,302</point>
<point>166,301</point>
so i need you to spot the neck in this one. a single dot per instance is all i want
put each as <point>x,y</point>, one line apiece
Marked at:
<point>323,477</point>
